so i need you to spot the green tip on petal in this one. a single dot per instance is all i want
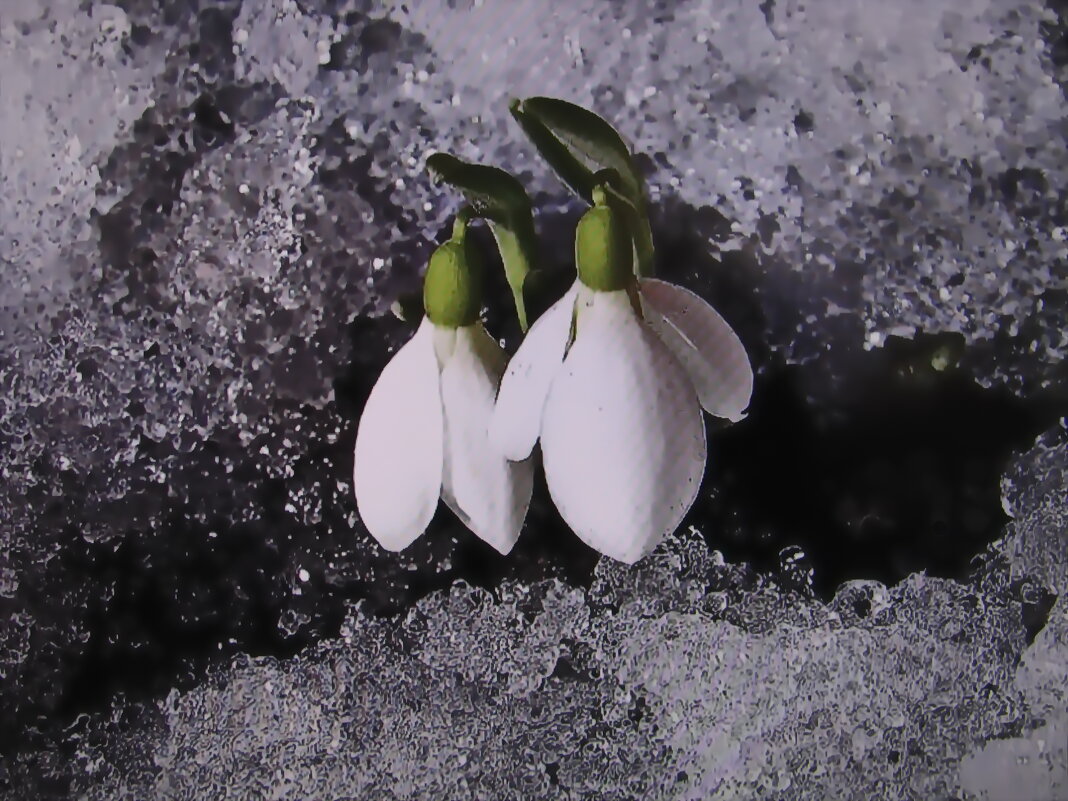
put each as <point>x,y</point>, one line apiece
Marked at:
<point>603,251</point>
<point>452,289</point>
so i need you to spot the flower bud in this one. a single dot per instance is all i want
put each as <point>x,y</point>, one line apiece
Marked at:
<point>603,251</point>
<point>452,289</point>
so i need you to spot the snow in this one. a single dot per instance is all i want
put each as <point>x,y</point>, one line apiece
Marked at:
<point>207,212</point>
<point>632,689</point>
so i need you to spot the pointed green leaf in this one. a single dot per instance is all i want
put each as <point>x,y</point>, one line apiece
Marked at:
<point>589,135</point>
<point>571,171</point>
<point>493,193</point>
<point>560,130</point>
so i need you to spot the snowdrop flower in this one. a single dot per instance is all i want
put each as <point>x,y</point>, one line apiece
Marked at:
<point>424,430</point>
<point>613,378</point>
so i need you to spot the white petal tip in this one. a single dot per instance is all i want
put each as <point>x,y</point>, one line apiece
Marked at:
<point>392,547</point>
<point>400,523</point>
<point>514,446</point>
<point>503,548</point>
<point>391,540</point>
<point>628,559</point>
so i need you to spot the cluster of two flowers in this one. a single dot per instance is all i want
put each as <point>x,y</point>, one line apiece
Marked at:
<point>612,379</point>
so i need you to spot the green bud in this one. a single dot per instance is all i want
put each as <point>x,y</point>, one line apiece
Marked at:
<point>603,251</point>
<point>501,200</point>
<point>452,289</point>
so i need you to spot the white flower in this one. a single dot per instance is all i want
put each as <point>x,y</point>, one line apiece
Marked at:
<point>423,435</point>
<point>616,397</point>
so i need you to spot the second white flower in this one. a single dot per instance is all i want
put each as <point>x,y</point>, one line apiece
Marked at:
<point>613,378</point>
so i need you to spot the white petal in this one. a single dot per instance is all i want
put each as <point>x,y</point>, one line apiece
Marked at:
<point>444,344</point>
<point>488,492</point>
<point>517,415</point>
<point>398,460</point>
<point>704,343</point>
<point>623,440</point>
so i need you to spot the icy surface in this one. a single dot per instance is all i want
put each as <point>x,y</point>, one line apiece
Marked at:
<point>209,207</point>
<point>1034,493</point>
<point>632,690</point>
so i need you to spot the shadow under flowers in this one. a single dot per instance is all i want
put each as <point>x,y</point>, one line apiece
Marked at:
<point>895,471</point>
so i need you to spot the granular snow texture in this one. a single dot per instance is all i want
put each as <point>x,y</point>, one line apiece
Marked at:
<point>208,209</point>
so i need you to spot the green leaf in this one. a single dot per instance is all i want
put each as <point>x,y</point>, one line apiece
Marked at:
<point>493,193</point>
<point>572,139</point>
<point>499,198</point>
<point>571,171</point>
<point>591,136</point>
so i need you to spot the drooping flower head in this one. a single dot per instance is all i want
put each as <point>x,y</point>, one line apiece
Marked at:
<point>612,378</point>
<point>423,434</point>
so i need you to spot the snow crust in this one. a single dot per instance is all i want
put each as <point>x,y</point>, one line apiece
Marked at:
<point>199,200</point>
